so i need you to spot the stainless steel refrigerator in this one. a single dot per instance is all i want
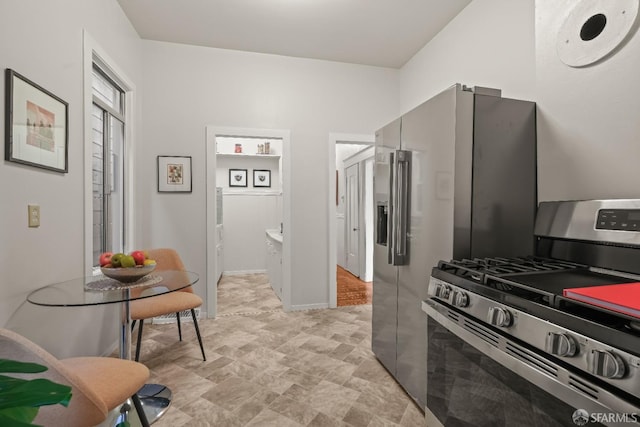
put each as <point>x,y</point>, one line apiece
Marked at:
<point>454,178</point>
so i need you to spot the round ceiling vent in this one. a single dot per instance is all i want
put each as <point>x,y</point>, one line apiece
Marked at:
<point>593,29</point>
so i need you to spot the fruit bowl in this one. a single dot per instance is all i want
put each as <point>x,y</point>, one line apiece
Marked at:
<point>127,275</point>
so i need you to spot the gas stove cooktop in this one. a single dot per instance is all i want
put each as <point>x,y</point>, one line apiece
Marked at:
<point>535,286</point>
<point>580,244</point>
<point>537,279</point>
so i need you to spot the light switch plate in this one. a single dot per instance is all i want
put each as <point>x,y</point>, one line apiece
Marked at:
<point>34,215</point>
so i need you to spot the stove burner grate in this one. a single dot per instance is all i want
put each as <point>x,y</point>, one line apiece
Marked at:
<point>476,268</point>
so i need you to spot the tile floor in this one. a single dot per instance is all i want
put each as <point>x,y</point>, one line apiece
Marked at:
<point>269,368</point>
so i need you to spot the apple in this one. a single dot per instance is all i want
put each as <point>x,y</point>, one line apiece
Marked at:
<point>139,257</point>
<point>115,259</point>
<point>149,262</point>
<point>127,261</point>
<point>105,258</point>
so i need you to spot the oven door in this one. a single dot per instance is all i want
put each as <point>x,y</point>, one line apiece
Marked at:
<point>477,376</point>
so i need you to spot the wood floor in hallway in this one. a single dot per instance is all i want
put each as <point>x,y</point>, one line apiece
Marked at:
<point>351,290</point>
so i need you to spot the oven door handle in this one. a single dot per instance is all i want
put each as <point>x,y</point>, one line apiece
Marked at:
<point>530,365</point>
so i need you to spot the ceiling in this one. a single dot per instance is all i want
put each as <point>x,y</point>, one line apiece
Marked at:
<point>385,33</point>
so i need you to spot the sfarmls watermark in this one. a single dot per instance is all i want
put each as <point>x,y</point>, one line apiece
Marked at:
<point>582,417</point>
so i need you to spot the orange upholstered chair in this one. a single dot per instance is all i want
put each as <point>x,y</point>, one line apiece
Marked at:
<point>98,384</point>
<point>173,302</point>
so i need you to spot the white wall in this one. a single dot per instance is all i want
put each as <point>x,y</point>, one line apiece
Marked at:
<point>43,41</point>
<point>588,118</point>
<point>588,127</point>
<point>246,218</point>
<point>490,43</point>
<point>189,87</point>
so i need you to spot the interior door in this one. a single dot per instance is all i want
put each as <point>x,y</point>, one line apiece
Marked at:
<point>352,223</point>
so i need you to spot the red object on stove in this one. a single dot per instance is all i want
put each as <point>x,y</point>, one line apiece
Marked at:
<point>622,298</point>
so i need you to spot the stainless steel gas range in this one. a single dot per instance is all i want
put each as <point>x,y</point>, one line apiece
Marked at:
<point>505,347</point>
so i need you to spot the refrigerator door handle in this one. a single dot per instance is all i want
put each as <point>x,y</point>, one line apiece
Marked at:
<point>390,211</point>
<point>402,193</point>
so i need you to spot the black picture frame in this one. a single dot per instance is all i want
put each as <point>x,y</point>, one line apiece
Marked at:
<point>262,178</point>
<point>174,174</point>
<point>36,125</point>
<point>237,177</point>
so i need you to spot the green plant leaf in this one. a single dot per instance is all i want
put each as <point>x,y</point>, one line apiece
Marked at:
<point>20,399</point>
<point>36,392</point>
<point>13,366</point>
<point>22,414</point>
<point>9,382</point>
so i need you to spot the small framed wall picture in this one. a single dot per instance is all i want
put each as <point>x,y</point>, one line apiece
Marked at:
<point>174,174</point>
<point>36,125</point>
<point>237,177</point>
<point>261,178</point>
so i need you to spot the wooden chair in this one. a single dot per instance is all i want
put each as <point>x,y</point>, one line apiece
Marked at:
<point>98,384</point>
<point>173,302</point>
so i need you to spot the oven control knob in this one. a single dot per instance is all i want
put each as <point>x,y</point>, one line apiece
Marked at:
<point>460,299</point>
<point>606,364</point>
<point>562,345</point>
<point>499,316</point>
<point>434,288</point>
<point>445,291</point>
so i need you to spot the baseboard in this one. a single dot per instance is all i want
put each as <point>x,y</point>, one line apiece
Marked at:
<point>185,316</point>
<point>309,306</point>
<point>240,272</point>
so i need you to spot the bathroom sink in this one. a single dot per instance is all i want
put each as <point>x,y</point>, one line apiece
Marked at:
<point>275,234</point>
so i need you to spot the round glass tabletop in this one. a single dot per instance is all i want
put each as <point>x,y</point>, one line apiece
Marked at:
<point>99,289</point>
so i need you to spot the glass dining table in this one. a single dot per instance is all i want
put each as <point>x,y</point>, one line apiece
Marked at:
<point>98,290</point>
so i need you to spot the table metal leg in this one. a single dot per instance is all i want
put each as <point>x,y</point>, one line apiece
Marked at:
<point>155,398</point>
<point>125,327</point>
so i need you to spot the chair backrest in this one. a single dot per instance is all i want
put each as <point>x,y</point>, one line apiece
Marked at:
<point>86,408</point>
<point>167,259</point>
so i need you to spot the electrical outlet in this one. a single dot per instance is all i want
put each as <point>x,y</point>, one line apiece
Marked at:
<point>34,215</point>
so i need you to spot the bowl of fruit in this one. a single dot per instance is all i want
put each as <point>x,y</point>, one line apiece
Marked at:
<point>126,267</point>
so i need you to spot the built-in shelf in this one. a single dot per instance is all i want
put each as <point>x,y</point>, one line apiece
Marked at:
<point>272,156</point>
<point>248,192</point>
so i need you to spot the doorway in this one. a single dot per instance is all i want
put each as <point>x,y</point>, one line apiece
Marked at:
<point>256,181</point>
<point>356,149</point>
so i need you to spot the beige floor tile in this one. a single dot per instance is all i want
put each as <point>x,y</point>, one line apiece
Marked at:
<point>293,409</point>
<point>271,418</point>
<point>268,368</point>
<point>332,398</point>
